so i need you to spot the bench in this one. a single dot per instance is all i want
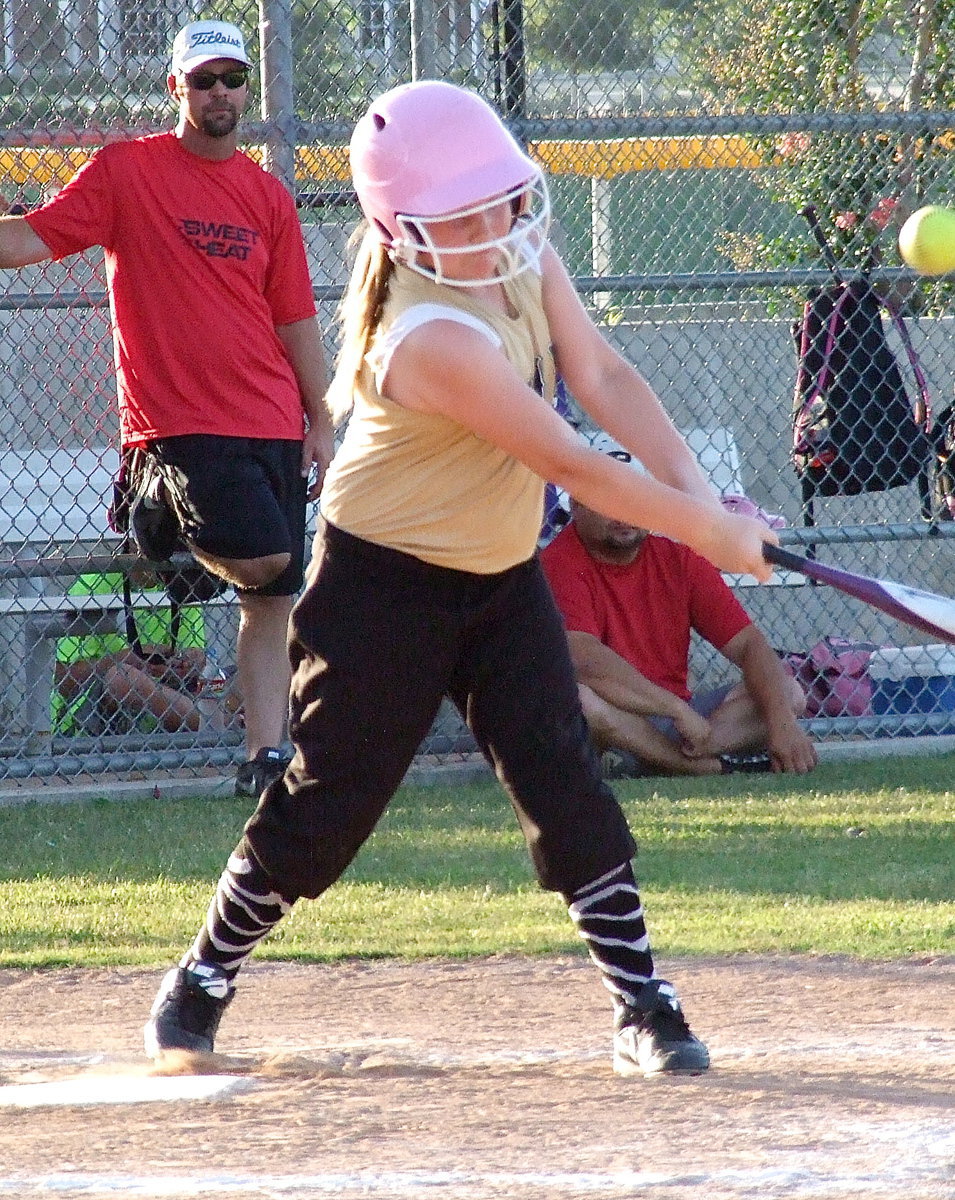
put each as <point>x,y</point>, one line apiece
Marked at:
<point>52,501</point>
<point>46,618</point>
<point>59,495</point>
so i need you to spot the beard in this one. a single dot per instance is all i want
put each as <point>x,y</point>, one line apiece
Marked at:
<point>219,122</point>
<point>621,544</point>
<point>623,537</point>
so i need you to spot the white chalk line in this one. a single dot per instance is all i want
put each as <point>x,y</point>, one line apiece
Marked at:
<point>122,1089</point>
<point>920,1162</point>
<point>932,1183</point>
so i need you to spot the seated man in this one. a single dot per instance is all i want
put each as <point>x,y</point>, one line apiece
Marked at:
<point>630,600</point>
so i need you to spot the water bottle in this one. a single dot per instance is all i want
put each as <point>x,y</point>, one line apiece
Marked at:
<point>210,699</point>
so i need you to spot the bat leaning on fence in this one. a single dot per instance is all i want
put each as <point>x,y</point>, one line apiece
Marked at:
<point>931,613</point>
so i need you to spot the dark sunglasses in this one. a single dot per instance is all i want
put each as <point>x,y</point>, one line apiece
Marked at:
<point>205,81</point>
<point>623,455</point>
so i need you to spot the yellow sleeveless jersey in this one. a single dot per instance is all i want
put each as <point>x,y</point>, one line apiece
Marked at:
<point>421,483</point>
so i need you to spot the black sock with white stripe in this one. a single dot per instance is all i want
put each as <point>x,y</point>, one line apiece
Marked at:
<point>244,909</point>
<point>609,917</point>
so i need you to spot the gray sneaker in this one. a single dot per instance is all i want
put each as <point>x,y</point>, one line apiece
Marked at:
<point>187,1010</point>
<point>651,1036</point>
<point>620,764</point>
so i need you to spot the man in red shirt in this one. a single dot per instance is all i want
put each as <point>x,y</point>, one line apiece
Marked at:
<point>219,363</point>
<point>630,601</point>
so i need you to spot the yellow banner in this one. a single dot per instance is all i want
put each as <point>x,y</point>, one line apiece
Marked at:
<point>41,166</point>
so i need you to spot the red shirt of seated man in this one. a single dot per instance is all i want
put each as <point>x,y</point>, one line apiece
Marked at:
<point>624,590</point>
<point>644,604</point>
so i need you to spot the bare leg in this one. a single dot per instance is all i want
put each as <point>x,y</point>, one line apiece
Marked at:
<point>611,727</point>
<point>264,673</point>
<point>243,572</point>
<point>135,691</point>
<point>263,668</point>
<point>738,727</point>
<point>129,688</point>
<point>72,677</point>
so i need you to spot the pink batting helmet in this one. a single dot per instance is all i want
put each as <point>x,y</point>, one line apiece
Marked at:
<point>427,149</point>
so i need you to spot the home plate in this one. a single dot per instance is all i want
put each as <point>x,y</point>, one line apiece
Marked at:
<point>121,1089</point>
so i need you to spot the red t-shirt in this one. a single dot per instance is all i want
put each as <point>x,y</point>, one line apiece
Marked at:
<point>203,260</point>
<point>644,611</point>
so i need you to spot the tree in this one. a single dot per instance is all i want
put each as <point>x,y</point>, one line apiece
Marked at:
<point>846,57</point>
<point>592,35</point>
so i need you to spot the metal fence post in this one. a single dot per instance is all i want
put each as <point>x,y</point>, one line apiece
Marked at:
<point>514,62</point>
<point>423,46</point>
<point>278,111</point>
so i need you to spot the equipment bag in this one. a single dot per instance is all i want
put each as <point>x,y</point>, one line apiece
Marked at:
<point>855,428</point>
<point>834,674</point>
<point>140,511</point>
<point>943,444</point>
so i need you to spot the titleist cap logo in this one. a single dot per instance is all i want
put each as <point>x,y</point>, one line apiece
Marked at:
<point>207,38</point>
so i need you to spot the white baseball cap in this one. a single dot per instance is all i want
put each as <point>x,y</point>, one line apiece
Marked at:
<point>203,41</point>
<point>606,445</point>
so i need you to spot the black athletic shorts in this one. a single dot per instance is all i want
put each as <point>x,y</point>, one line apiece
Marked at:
<point>239,498</point>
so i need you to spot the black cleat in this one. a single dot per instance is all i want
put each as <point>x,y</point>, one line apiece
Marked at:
<point>745,764</point>
<point>651,1036</point>
<point>187,1010</point>
<point>254,776</point>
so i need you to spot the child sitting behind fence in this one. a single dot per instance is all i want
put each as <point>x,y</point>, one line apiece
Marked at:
<point>424,580</point>
<point>103,685</point>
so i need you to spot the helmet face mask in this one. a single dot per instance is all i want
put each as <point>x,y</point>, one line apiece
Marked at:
<point>430,152</point>
<point>420,245</point>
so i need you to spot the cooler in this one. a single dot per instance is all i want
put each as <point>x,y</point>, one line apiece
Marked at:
<point>913,679</point>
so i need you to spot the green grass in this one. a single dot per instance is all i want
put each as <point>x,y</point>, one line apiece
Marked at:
<point>857,859</point>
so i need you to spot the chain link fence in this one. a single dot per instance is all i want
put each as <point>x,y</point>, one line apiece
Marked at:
<point>683,142</point>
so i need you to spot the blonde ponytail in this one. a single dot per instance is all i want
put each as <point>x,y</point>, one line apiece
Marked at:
<point>358,315</point>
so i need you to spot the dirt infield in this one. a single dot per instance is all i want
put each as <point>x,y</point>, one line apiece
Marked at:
<point>492,1078</point>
